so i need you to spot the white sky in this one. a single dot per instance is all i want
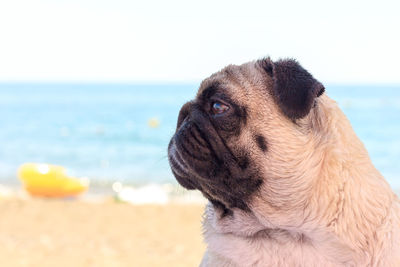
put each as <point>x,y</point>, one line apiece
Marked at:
<point>181,40</point>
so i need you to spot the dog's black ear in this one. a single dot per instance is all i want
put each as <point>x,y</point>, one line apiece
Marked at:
<point>294,88</point>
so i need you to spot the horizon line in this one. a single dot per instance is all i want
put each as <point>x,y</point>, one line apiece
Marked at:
<point>163,82</point>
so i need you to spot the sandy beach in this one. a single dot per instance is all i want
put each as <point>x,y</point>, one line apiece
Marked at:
<point>43,232</point>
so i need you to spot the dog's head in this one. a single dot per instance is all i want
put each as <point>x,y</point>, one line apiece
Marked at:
<point>246,130</point>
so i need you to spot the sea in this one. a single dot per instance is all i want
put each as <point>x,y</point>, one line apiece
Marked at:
<point>120,132</point>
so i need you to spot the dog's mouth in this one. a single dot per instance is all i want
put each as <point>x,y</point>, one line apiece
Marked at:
<point>192,158</point>
<point>200,159</point>
<point>179,167</point>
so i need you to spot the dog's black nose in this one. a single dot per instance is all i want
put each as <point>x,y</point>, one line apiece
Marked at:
<point>183,113</point>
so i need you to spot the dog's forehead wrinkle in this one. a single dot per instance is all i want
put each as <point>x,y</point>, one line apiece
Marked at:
<point>234,81</point>
<point>232,75</point>
<point>210,82</point>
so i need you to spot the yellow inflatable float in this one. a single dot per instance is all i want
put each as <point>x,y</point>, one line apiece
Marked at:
<point>50,181</point>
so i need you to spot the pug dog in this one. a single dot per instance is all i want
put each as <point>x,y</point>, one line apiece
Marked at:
<point>288,181</point>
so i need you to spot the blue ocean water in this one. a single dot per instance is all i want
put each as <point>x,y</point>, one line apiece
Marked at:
<point>101,130</point>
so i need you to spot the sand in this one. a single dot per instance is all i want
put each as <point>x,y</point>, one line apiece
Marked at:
<point>42,232</point>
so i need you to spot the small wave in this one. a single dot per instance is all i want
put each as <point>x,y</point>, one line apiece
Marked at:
<point>155,194</point>
<point>151,193</point>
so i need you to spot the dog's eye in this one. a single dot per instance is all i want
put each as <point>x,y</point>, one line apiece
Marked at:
<point>219,108</point>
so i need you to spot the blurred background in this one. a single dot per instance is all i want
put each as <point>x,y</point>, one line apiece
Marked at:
<point>96,86</point>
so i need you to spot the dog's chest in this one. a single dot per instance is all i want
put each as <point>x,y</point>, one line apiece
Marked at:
<point>269,251</point>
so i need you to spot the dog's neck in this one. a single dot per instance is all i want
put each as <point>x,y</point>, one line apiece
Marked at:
<point>243,225</point>
<point>236,222</point>
<point>246,227</point>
